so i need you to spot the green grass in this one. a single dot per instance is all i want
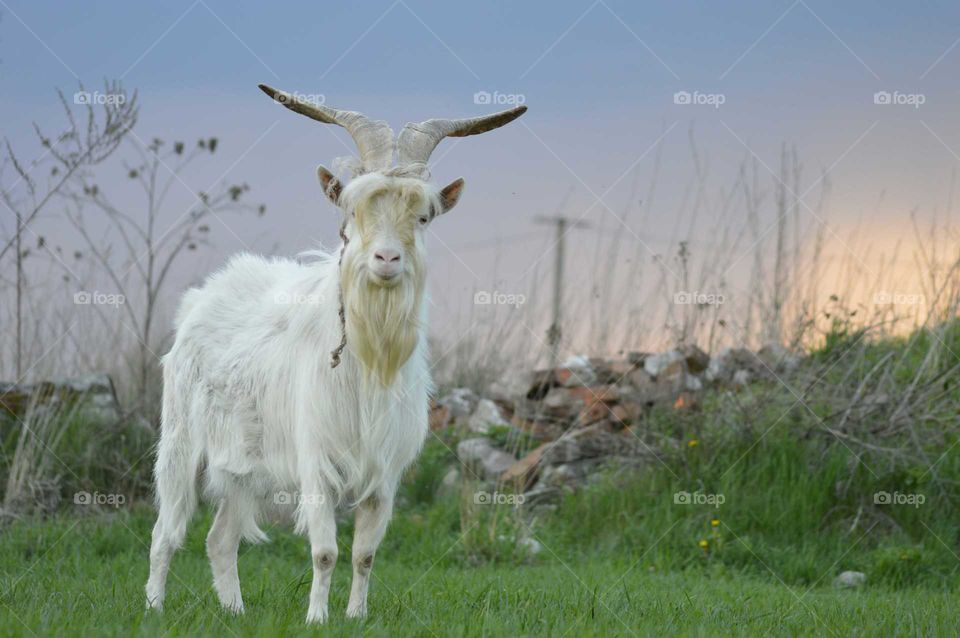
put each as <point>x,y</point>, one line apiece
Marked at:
<point>85,577</point>
<point>619,556</point>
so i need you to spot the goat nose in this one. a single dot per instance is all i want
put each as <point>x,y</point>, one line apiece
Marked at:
<point>387,255</point>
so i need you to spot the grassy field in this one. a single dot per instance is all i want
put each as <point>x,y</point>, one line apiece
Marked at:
<point>793,503</point>
<point>85,577</point>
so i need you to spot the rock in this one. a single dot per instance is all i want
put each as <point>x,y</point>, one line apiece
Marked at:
<point>449,484</point>
<point>541,496</point>
<point>502,388</point>
<point>692,383</point>
<point>619,369</point>
<point>596,394</point>
<point>531,545</point>
<point>487,461</point>
<point>610,372</point>
<point>461,402</point>
<point>576,361</point>
<point>573,475</point>
<point>487,415</point>
<point>725,365</point>
<point>626,413</point>
<point>538,429</point>
<point>575,376</point>
<point>583,404</point>
<point>439,417</point>
<point>687,401</point>
<point>559,402</point>
<point>593,413</point>
<point>539,384</point>
<point>37,495</point>
<point>849,580</point>
<point>566,474</point>
<point>665,364</point>
<point>94,391</point>
<point>741,378</point>
<point>637,358</point>
<point>775,357</point>
<point>596,401</point>
<point>717,369</point>
<point>590,442</point>
<point>524,471</point>
<point>696,359</point>
<point>650,391</point>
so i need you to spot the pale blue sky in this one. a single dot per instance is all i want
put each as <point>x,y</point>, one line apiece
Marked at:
<point>599,78</point>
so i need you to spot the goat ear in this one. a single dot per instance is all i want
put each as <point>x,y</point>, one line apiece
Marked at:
<point>331,185</point>
<point>450,194</point>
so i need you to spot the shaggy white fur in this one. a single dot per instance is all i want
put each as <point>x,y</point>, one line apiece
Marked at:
<point>250,399</point>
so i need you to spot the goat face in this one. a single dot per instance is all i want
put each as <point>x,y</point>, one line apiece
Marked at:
<point>385,219</point>
<point>383,264</point>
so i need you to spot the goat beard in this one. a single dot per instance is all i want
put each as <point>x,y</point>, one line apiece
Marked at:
<point>383,323</point>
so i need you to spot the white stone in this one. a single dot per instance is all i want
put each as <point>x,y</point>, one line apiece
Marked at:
<point>486,415</point>
<point>741,378</point>
<point>655,364</point>
<point>485,459</point>
<point>532,545</point>
<point>847,580</point>
<point>460,402</point>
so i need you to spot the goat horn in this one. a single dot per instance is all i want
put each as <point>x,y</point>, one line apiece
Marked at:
<point>374,138</point>
<point>417,141</point>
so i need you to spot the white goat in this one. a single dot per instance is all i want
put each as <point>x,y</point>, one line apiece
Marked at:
<point>250,400</point>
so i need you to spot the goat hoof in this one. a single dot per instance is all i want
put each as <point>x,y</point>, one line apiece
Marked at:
<point>317,616</point>
<point>356,612</point>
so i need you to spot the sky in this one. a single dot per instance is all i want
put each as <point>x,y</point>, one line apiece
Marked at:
<point>605,82</point>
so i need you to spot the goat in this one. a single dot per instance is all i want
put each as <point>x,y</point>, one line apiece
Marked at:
<point>249,401</point>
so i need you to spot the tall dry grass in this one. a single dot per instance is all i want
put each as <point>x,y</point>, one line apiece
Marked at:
<point>769,268</point>
<point>747,266</point>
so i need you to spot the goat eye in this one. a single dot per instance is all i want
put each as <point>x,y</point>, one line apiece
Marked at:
<point>423,220</point>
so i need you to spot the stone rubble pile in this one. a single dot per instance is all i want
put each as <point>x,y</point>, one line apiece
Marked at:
<point>96,391</point>
<point>589,413</point>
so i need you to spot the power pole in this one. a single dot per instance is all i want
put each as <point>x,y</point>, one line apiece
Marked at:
<point>561,225</point>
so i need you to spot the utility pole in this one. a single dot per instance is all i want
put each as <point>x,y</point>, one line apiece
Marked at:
<point>561,225</point>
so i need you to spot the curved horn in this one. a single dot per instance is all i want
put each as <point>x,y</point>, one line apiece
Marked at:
<point>417,141</point>
<point>374,138</point>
